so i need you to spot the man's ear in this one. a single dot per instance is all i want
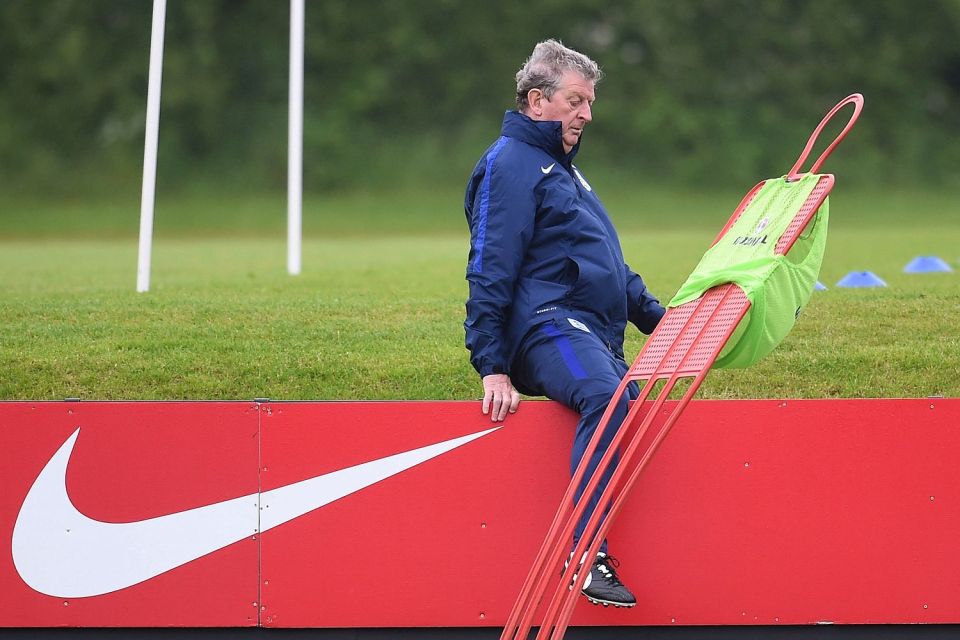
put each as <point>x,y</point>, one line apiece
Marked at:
<point>535,100</point>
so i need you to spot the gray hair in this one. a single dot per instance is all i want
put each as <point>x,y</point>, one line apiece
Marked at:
<point>545,67</point>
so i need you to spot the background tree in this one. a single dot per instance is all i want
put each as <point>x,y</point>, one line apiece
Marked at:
<point>697,92</point>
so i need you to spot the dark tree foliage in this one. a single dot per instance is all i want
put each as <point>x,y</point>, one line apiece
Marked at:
<point>697,91</point>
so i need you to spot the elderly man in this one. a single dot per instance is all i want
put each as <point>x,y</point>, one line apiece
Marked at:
<point>550,293</point>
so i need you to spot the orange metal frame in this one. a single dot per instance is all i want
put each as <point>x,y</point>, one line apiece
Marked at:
<point>685,345</point>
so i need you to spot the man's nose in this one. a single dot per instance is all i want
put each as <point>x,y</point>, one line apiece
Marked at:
<point>586,113</point>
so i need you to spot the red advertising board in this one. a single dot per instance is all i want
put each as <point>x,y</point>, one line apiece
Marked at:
<point>407,514</point>
<point>446,542</point>
<point>131,462</point>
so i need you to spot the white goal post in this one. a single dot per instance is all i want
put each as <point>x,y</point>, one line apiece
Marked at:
<point>295,140</point>
<point>148,189</point>
<point>151,136</point>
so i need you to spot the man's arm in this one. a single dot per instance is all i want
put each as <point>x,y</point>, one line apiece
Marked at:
<point>501,218</point>
<point>643,309</point>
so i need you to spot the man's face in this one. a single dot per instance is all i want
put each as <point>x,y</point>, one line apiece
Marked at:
<point>570,105</point>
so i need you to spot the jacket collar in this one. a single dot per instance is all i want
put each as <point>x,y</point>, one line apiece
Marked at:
<point>546,135</point>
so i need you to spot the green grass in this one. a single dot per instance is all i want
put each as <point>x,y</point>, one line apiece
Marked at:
<point>378,314</point>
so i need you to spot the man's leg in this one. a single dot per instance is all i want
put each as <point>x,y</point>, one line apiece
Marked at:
<point>573,366</point>
<point>593,404</point>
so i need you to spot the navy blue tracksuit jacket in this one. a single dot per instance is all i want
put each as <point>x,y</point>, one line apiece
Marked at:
<point>542,248</point>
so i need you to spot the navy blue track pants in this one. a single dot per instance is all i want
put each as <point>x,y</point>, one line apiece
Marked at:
<point>565,360</point>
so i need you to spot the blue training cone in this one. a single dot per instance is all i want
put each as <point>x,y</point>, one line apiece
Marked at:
<point>926,264</point>
<point>819,286</point>
<point>861,279</point>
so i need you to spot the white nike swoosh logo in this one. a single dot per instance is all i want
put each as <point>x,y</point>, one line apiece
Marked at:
<point>61,552</point>
<point>547,170</point>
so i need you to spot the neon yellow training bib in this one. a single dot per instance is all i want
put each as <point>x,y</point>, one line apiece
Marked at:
<point>778,286</point>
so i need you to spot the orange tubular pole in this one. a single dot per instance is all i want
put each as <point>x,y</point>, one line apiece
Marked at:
<point>570,512</point>
<point>857,101</point>
<point>563,602</point>
<point>619,494</point>
<point>520,618</point>
<point>552,550</point>
<point>558,552</point>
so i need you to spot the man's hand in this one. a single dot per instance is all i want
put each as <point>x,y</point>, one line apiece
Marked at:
<point>499,396</point>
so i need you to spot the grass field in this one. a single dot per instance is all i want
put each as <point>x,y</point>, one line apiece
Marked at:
<point>378,310</point>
